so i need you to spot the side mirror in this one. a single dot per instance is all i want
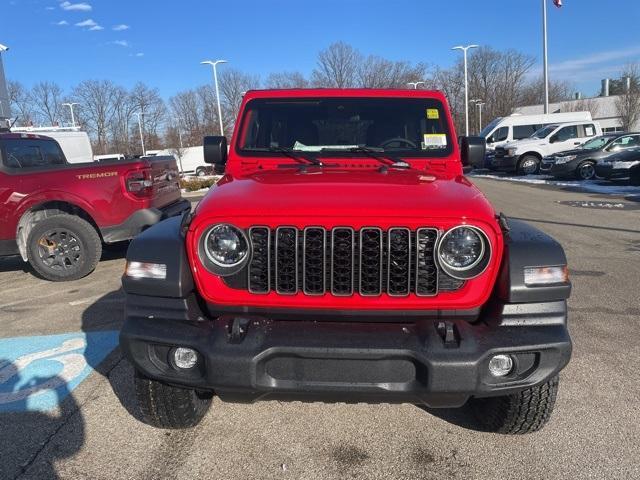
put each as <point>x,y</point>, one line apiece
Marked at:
<point>553,139</point>
<point>472,152</point>
<point>215,153</point>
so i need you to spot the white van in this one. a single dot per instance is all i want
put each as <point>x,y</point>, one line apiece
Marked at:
<point>516,126</point>
<point>524,156</point>
<point>192,161</point>
<point>74,143</point>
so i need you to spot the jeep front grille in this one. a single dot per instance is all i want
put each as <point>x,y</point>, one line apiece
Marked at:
<point>343,261</point>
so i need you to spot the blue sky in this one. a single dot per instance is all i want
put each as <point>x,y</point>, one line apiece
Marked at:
<point>162,42</point>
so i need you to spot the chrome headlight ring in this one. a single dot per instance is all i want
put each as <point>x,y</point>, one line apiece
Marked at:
<point>472,270</point>
<point>212,261</point>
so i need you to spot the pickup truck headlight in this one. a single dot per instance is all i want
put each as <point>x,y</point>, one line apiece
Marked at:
<point>511,152</point>
<point>224,249</point>
<point>464,252</point>
<point>568,158</point>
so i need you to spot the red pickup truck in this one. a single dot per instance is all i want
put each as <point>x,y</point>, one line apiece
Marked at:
<point>57,215</point>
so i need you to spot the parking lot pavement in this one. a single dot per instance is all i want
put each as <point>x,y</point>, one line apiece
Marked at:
<point>93,431</point>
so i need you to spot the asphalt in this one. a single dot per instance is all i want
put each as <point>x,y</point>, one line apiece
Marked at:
<point>594,432</point>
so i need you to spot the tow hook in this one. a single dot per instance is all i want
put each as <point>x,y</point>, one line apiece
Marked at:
<point>449,334</point>
<point>237,329</point>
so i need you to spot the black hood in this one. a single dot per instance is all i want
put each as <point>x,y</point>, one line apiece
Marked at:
<point>577,151</point>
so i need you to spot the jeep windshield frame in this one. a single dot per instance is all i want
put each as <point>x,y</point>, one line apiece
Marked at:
<point>405,127</point>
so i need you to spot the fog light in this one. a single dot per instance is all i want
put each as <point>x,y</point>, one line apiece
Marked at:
<point>185,358</point>
<point>500,365</point>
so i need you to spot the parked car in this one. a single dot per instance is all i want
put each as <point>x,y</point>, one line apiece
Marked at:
<point>344,257</point>
<point>621,165</point>
<point>57,215</point>
<point>581,162</point>
<point>524,156</point>
<point>503,130</point>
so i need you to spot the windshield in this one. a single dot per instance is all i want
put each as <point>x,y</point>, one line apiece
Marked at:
<point>415,127</point>
<point>544,131</point>
<point>596,143</point>
<point>487,130</point>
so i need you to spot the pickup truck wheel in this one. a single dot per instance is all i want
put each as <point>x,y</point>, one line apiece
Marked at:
<point>201,172</point>
<point>528,165</point>
<point>523,412</point>
<point>63,247</point>
<point>586,171</point>
<point>166,406</point>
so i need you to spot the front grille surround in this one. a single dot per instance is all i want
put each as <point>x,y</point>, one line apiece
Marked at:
<point>342,261</point>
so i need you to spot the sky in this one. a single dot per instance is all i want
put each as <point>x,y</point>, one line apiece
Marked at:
<point>162,42</point>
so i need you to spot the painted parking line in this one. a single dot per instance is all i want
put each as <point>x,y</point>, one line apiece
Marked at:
<point>37,373</point>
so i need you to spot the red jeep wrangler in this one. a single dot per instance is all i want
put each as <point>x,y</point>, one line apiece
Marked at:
<point>345,257</point>
<point>56,215</point>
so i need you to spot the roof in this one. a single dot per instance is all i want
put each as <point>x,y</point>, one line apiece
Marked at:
<point>12,136</point>
<point>345,92</point>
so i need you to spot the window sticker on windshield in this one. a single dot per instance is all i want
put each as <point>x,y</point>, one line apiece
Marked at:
<point>434,141</point>
<point>433,114</point>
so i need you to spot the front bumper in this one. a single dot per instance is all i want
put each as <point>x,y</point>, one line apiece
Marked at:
<point>563,169</point>
<point>504,163</point>
<point>141,219</point>
<point>435,360</point>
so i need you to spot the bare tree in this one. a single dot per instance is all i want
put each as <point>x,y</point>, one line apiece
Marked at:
<point>21,103</point>
<point>47,99</point>
<point>533,92</point>
<point>628,103</point>
<point>287,80</point>
<point>148,102</point>
<point>97,102</point>
<point>582,105</point>
<point>378,72</point>
<point>337,66</point>
<point>233,85</point>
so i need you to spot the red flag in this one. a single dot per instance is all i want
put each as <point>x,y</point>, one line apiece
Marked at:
<point>557,3</point>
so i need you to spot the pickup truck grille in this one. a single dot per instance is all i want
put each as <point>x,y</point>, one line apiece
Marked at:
<point>343,261</point>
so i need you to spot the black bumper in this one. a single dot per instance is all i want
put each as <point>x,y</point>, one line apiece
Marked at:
<point>607,171</point>
<point>142,219</point>
<point>438,362</point>
<point>563,169</point>
<point>505,163</point>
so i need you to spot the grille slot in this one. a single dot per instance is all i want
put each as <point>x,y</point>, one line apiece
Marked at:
<point>286,260</point>
<point>426,270</point>
<point>371,255</point>
<point>342,260</point>
<point>399,262</point>
<point>314,269</point>
<point>260,266</point>
<point>371,262</point>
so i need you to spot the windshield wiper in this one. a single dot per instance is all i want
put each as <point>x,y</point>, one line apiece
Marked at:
<point>295,156</point>
<point>373,152</point>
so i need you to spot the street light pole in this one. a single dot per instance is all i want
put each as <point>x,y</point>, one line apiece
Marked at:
<point>140,115</point>
<point>466,85</point>
<point>415,84</point>
<point>73,118</point>
<point>545,69</point>
<point>479,105</point>
<point>215,83</point>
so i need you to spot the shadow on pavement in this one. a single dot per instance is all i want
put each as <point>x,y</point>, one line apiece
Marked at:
<point>26,433</point>
<point>107,314</point>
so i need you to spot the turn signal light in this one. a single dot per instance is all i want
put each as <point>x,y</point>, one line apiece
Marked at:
<point>146,270</point>
<point>540,276</point>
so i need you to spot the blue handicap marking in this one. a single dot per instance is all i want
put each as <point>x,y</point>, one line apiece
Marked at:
<point>37,373</point>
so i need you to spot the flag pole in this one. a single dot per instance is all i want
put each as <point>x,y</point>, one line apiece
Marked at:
<point>544,57</point>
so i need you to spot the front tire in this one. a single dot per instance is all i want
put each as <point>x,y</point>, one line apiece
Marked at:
<point>523,412</point>
<point>586,171</point>
<point>201,172</point>
<point>528,165</point>
<point>63,247</point>
<point>169,407</point>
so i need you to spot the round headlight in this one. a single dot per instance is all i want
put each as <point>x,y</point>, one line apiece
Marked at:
<point>463,252</point>
<point>225,246</point>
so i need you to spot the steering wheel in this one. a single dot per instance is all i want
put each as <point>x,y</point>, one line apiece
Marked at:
<point>398,140</point>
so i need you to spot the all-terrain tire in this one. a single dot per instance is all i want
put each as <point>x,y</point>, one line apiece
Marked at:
<point>63,247</point>
<point>523,412</point>
<point>169,407</point>
<point>528,165</point>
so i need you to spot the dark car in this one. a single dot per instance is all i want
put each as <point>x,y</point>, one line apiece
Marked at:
<point>624,164</point>
<point>580,163</point>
